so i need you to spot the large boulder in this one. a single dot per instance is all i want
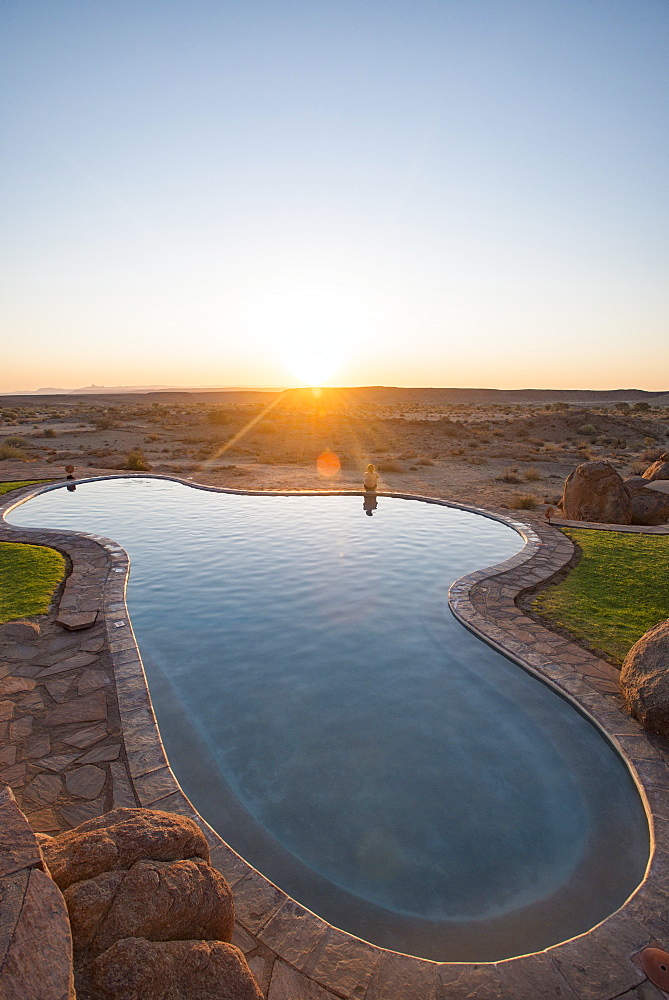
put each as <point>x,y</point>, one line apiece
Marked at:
<point>156,900</point>
<point>635,483</point>
<point>650,507</point>
<point>644,679</point>
<point>120,838</point>
<point>136,969</point>
<point>659,469</point>
<point>595,492</point>
<point>35,938</point>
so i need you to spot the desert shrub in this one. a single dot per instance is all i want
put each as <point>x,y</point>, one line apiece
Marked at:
<point>389,465</point>
<point>48,433</point>
<point>103,423</point>
<point>135,462</point>
<point>641,407</point>
<point>16,442</point>
<point>532,475</point>
<point>8,452</point>
<point>622,407</point>
<point>586,429</point>
<point>523,501</point>
<point>510,475</point>
<point>652,455</point>
<point>638,467</point>
<point>521,432</point>
<point>218,417</point>
<point>478,460</point>
<point>424,461</point>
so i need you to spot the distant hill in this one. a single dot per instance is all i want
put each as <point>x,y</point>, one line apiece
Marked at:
<point>379,395</point>
<point>113,390</point>
<point>389,395</point>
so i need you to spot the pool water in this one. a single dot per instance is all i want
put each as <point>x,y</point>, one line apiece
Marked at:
<point>324,710</point>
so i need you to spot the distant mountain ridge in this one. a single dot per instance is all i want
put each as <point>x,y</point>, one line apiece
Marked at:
<point>380,394</point>
<point>373,394</point>
<point>106,390</point>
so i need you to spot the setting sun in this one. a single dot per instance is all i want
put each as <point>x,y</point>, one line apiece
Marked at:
<point>310,330</point>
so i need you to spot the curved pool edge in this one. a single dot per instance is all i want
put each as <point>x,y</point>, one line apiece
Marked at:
<point>296,945</point>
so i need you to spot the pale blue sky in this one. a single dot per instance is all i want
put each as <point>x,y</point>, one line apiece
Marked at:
<point>461,192</point>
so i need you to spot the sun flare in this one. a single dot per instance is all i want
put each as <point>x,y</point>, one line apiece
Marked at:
<point>311,332</point>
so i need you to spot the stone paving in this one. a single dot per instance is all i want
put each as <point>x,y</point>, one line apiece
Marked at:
<point>78,736</point>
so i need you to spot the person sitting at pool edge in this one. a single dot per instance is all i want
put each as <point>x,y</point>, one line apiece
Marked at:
<point>371,478</point>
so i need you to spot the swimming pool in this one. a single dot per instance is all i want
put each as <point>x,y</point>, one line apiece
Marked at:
<point>331,719</point>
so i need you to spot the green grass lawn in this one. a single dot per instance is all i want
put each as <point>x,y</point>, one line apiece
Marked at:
<point>6,487</point>
<point>29,575</point>
<point>619,590</point>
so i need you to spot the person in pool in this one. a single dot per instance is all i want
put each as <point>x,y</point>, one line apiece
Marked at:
<point>370,478</point>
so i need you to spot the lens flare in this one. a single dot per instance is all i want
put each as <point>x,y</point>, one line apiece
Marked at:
<point>328,464</point>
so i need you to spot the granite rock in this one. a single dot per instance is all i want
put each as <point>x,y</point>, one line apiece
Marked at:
<point>38,963</point>
<point>650,507</point>
<point>659,469</point>
<point>118,839</point>
<point>644,679</point>
<point>595,492</point>
<point>136,969</point>
<point>156,900</point>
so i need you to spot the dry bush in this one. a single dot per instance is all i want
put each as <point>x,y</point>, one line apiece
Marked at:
<point>218,417</point>
<point>524,501</point>
<point>389,465</point>
<point>8,452</point>
<point>652,455</point>
<point>135,462</point>
<point>586,429</point>
<point>532,475</point>
<point>478,460</point>
<point>16,442</point>
<point>510,475</point>
<point>424,461</point>
<point>638,467</point>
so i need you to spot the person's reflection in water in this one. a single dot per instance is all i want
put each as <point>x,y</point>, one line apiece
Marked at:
<point>369,504</point>
<point>70,488</point>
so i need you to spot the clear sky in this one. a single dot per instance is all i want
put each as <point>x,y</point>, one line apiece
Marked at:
<point>398,192</point>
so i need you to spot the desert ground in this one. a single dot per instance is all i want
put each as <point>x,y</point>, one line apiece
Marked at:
<point>499,453</point>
